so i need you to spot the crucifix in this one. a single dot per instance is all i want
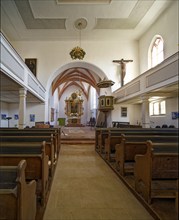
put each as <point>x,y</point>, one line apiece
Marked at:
<point>123,68</point>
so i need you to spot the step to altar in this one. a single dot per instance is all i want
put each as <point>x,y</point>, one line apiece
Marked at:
<point>77,141</point>
<point>78,135</point>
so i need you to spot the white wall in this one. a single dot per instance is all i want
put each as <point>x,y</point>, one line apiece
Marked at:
<point>5,111</point>
<point>171,106</point>
<point>13,108</point>
<point>133,113</point>
<point>52,55</point>
<point>166,26</point>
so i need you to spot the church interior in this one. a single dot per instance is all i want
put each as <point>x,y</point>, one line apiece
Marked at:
<point>89,109</point>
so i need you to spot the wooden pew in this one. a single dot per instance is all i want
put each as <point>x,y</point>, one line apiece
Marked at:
<point>135,144</point>
<point>31,138</point>
<point>106,137</point>
<point>114,137</point>
<point>55,131</point>
<point>100,135</point>
<point>156,172</point>
<point>17,197</point>
<point>37,164</point>
<point>48,151</point>
<point>33,133</point>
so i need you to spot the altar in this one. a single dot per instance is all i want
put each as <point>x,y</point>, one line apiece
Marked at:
<point>74,109</point>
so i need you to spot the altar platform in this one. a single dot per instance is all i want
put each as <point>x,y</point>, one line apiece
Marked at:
<point>78,135</point>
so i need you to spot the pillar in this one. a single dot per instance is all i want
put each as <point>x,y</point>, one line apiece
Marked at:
<point>145,112</point>
<point>22,108</point>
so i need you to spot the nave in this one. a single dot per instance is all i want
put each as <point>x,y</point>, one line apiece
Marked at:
<point>85,188</point>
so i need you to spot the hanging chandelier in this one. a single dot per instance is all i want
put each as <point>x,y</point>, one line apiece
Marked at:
<point>78,52</point>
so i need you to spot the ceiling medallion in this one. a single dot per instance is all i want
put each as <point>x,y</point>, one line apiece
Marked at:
<point>77,52</point>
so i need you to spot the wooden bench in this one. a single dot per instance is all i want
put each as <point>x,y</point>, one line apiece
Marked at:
<point>37,164</point>
<point>48,151</point>
<point>17,197</point>
<point>53,135</point>
<point>34,131</point>
<point>114,137</point>
<point>100,135</point>
<point>156,172</point>
<point>117,124</point>
<point>49,139</point>
<point>53,130</point>
<point>135,144</point>
<point>106,137</point>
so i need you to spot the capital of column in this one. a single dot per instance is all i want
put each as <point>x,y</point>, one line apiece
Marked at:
<point>144,98</point>
<point>22,92</point>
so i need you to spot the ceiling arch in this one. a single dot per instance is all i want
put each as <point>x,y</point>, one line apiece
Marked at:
<point>76,76</point>
<point>91,68</point>
<point>81,74</point>
<point>85,91</point>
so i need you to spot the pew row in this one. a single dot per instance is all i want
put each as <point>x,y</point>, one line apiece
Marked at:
<point>46,136</point>
<point>17,197</point>
<point>112,141</point>
<point>156,172</point>
<point>37,165</point>
<point>106,137</point>
<point>34,131</point>
<point>33,139</point>
<point>135,144</point>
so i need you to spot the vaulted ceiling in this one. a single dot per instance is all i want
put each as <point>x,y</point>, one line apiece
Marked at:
<point>81,77</point>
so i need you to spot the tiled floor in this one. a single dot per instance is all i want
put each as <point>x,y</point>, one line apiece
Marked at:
<point>84,188</point>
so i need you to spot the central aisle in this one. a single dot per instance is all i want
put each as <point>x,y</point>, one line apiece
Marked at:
<point>85,188</point>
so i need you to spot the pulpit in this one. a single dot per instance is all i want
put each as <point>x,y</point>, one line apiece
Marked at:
<point>74,109</point>
<point>106,104</point>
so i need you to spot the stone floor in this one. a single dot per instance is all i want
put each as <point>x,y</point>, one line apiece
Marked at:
<point>84,188</point>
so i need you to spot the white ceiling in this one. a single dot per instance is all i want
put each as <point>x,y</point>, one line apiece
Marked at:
<point>54,19</point>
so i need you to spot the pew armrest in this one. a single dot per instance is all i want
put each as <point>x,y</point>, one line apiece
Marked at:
<point>27,197</point>
<point>28,202</point>
<point>142,174</point>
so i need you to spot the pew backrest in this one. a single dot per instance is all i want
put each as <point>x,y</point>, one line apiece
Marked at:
<point>16,196</point>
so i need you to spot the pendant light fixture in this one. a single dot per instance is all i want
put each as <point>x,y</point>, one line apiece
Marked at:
<point>78,52</point>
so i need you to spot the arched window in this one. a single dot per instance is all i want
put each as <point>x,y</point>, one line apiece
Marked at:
<point>156,51</point>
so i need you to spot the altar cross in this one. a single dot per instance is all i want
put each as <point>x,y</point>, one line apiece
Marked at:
<point>122,62</point>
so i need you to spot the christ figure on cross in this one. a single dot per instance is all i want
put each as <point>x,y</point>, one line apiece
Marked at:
<point>123,68</point>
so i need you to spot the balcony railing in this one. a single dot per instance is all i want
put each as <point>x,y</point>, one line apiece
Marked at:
<point>13,66</point>
<point>164,74</point>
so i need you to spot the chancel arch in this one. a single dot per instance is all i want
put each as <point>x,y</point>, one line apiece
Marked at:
<point>75,77</point>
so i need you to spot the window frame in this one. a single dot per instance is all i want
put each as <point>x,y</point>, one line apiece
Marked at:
<point>159,56</point>
<point>123,112</point>
<point>152,108</point>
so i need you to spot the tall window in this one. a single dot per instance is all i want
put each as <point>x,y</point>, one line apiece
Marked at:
<point>158,108</point>
<point>93,98</point>
<point>156,51</point>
